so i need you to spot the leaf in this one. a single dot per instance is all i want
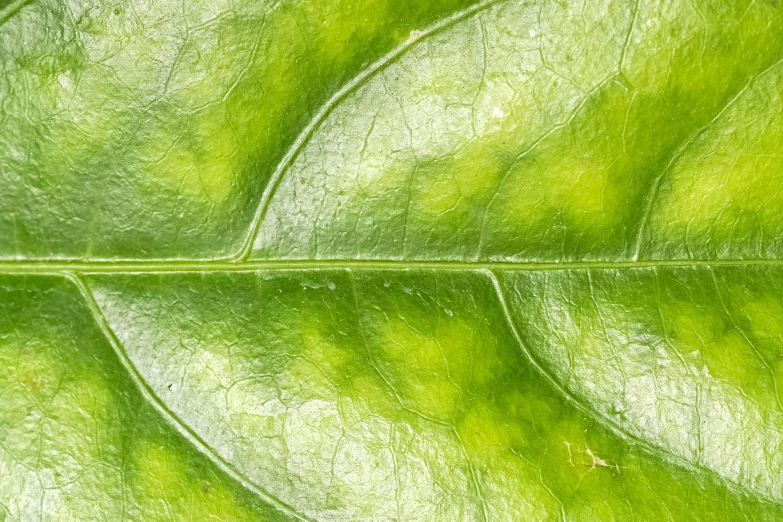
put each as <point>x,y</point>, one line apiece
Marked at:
<point>389,261</point>
<point>141,129</point>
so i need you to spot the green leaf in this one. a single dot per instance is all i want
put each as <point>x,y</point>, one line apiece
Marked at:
<point>391,260</point>
<point>148,129</point>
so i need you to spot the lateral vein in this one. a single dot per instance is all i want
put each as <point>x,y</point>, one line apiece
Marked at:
<point>171,417</point>
<point>358,80</point>
<point>602,419</point>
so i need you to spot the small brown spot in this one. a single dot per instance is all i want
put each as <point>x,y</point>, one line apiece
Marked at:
<point>206,488</point>
<point>34,382</point>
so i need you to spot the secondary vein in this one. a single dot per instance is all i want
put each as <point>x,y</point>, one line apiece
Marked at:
<point>599,417</point>
<point>155,401</point>
<point>331,104</point>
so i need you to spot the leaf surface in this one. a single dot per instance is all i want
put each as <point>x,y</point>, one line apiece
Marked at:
<point>391,260</point>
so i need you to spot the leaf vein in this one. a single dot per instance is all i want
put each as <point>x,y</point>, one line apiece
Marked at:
<point>652,194</point>
<point>606,421</point>
<point>12,9</point>
<point>206,266</point>
<point>154,400</point>
<point>326,109</point>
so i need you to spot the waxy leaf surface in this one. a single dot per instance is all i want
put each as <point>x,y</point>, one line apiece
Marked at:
<point>391,260</point>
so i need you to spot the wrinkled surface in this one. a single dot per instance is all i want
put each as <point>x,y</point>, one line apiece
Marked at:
<point>386,261</point>
<point>79,441</point>
<point>564,137</point>
<point>148,129</point>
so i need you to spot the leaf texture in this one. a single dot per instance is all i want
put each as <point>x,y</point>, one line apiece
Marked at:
<point>386,261</point>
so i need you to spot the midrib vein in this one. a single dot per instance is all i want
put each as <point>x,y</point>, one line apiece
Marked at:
<point>205,266</point>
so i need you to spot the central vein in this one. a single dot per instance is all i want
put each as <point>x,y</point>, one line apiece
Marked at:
<point>60,266</point>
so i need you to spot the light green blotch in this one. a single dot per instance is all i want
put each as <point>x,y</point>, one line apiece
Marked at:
<point>765,316</point>
<point>723,190</point>
<point>34,371</point>
<point>509,482</point>
<point>726,183</point>
<point>325,371</point>
<point>578,175</point>
<point>483,436</point>
<point>197,146</point>
<point>321,368</point>
<point>431,372</point>
<point>196,158</point>
<point>337,25</point>
<point>59,418</point>
<point>765,319</point>
<point>754,183</point>
<point>523,468</point>
<point>714,346</point>
<point>459,183</point>
<point>570,187</point>
<point>166,487</point>
<point>70,399</point>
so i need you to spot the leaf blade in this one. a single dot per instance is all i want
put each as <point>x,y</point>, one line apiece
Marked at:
<point>400,357</point>
<point>78,440</point>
